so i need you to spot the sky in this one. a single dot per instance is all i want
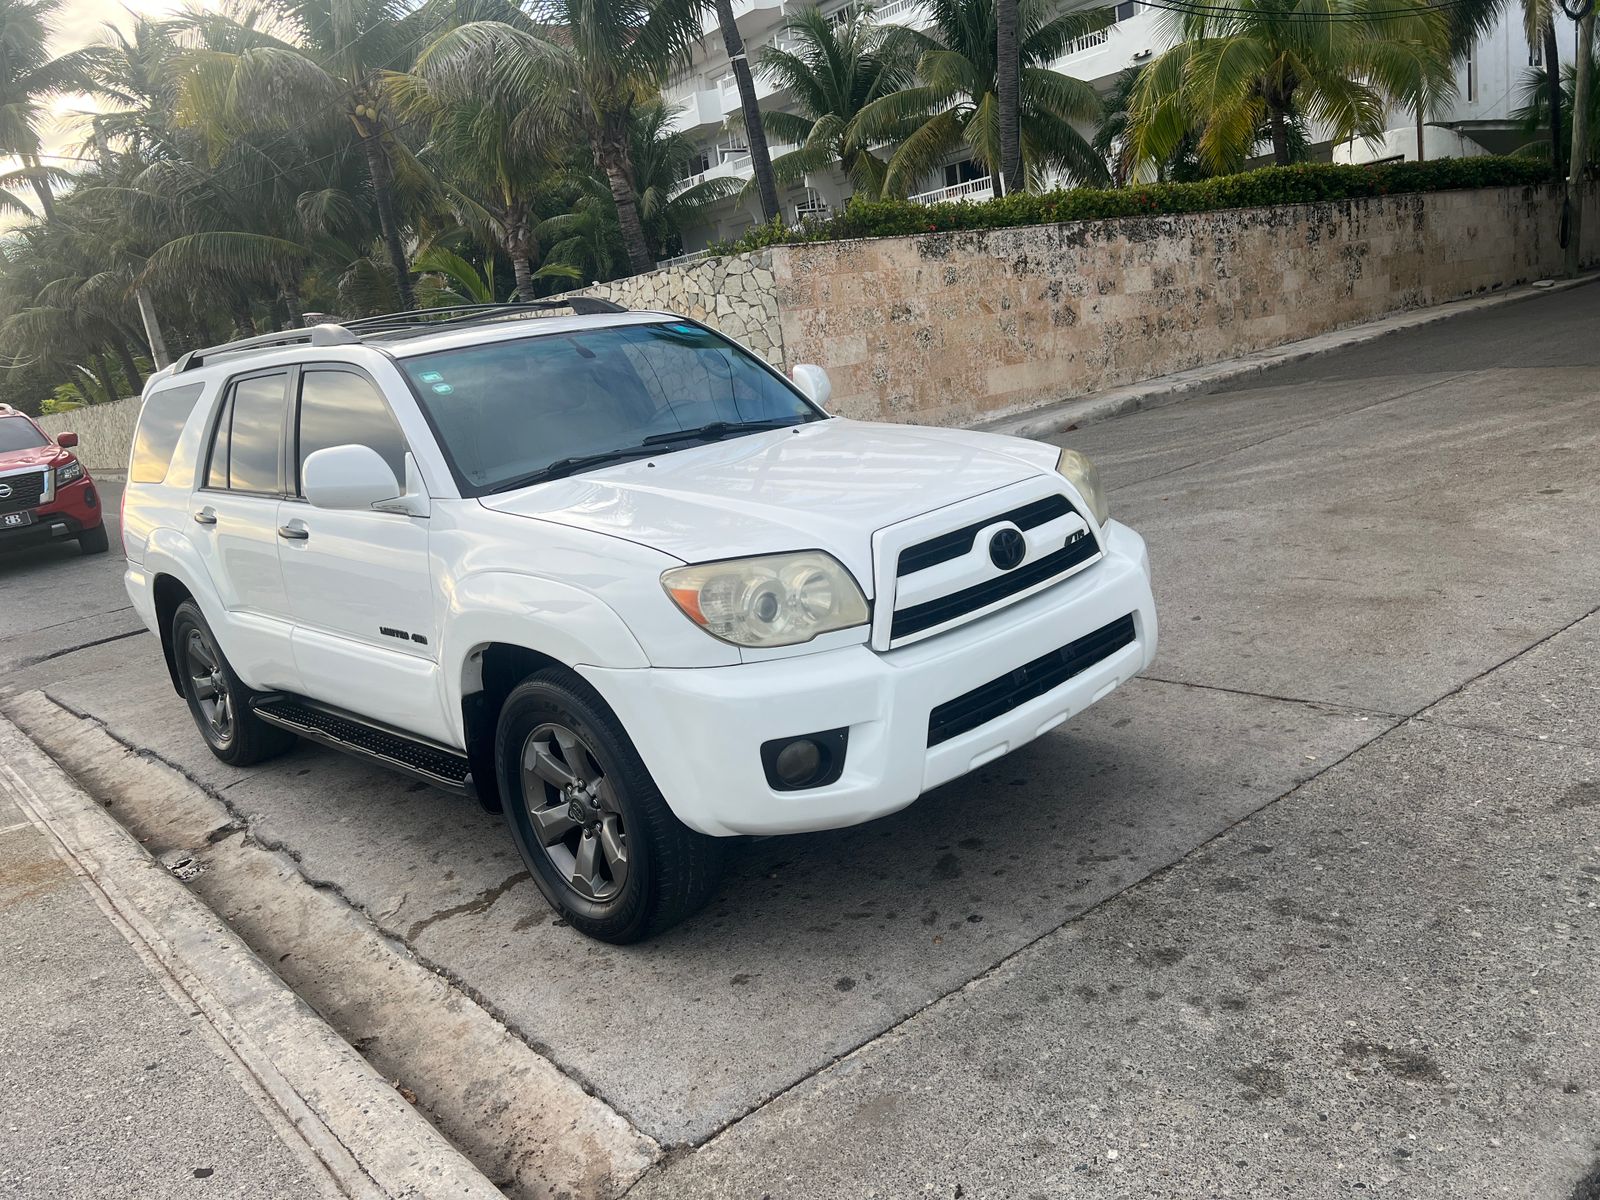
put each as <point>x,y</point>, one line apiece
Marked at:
<point>82,23</point>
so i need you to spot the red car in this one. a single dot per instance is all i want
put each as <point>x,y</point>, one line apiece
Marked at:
<point>46,494</point>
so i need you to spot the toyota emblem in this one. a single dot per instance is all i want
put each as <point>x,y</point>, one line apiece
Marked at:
<point>5,491</point>
<point>1007,548</point>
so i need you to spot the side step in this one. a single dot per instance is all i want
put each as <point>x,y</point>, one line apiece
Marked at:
<point>411,755</point>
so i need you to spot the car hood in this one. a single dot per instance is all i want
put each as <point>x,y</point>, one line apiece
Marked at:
<point>827,485</point>
<point>33,456</point>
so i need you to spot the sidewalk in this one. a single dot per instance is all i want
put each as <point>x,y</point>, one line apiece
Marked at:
<point>108,1087</point>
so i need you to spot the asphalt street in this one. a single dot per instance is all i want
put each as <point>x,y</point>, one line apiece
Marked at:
<point>1310,908</point>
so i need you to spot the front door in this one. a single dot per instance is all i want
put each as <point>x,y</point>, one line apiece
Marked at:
<point>234,528</point>
<point>359,582</point>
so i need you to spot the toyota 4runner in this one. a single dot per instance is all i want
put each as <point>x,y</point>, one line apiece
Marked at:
<point>613,575</point>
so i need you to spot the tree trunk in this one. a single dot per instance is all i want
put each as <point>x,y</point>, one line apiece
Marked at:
<point>152,328</point>
<point>1008,80</point>
<point>611,151</point>
<point>517,250</point>
<point>108,382</point>
<point>1576,182</point>
<point>754,132</point>
<point>1280,138</point>
<point>129,367</point>
<point>1421,154</point>
<point>1552,84</point>
<point>382,179</point>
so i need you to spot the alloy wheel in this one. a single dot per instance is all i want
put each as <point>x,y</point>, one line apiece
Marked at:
<point>574,811</point>
<point>209,685</point>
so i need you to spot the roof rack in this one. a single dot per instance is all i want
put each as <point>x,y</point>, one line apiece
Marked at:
<point>348,333</point>
<point>315,335</point>
<point>455,314</point>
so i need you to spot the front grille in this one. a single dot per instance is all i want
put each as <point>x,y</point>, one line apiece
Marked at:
<point>959,541</point>
<point>27,490</point>
<point>926,615</point>
<point>1028,682</point>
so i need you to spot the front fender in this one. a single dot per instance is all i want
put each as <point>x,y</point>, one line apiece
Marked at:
<point>565,623</point>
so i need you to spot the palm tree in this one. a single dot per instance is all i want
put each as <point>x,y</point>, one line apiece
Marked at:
<point>1337,63</point>
<point>750,111</point>
<point>1534,112</point>
<point>955,105</point>
<point>29,75</point>
<point>492,161</point>
<point>582,65</point>
<point>329,63</point>
<point>833,72</point>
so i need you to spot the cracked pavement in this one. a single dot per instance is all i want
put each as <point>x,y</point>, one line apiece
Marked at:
<point>1310,907</point>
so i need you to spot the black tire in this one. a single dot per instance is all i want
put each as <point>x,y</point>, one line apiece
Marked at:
<point>243,738</point>
<point>94,541</point>
<point>668,870</point>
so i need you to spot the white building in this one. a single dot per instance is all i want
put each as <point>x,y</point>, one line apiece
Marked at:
<point>1491,85</point>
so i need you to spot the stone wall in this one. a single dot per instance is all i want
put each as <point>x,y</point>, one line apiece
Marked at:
<point>960,328</point>
<point>735,294</point>
<point>105,433</point>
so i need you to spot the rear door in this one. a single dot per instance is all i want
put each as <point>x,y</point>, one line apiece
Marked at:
<point>234,526</point>
<point>359,582</point>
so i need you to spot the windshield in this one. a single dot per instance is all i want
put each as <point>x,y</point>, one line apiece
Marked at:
<point>18,433</point>
<point>511,413</point>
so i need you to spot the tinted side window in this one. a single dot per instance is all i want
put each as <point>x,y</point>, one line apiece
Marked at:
<point>255,444</point>
<point>339,408</point>
<point>248,444</point>
<point>161,421</point>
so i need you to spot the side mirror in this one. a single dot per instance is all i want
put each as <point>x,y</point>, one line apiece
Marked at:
<point>66,440</point>
<point>348,477</point>
<point>813,383</point>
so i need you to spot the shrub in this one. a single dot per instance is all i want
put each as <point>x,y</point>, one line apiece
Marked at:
<point>1304,184</point>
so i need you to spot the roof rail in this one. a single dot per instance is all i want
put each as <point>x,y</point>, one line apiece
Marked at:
<point>450,314</point>
<point>315,335</point>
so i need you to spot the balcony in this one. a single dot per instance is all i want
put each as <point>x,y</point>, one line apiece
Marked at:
<point>971,190</point>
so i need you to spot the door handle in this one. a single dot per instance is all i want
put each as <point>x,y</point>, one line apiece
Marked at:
<point>295,533</point>
<point>205,516</point>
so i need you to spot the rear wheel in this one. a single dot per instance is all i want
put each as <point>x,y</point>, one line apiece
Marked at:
<point>218,699</point>
<point>94,541</point>
<point>593,828</point>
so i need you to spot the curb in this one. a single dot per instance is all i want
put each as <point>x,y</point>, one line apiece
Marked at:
<point>1199,381</point>
<point>365,1134</point>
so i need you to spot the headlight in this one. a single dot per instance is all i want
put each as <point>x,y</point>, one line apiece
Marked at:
<point>775,600</point>
<point>70,473</point>
<point>1085,476</point>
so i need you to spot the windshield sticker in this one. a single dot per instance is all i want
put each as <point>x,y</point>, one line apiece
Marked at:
<point>443,389</point>
<point>431,377</point>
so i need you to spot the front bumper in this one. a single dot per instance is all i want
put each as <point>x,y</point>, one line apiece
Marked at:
<point>68,512</point>
<point>700,731</point>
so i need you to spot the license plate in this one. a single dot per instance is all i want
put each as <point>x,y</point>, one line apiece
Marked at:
<point>13,520</point>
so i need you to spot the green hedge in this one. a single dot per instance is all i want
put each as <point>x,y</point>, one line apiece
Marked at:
<point>1266,187</point>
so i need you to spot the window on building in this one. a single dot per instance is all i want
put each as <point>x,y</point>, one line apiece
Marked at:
<point>1470,63</point>
<point>1125,10</point>
<point>964,171</point>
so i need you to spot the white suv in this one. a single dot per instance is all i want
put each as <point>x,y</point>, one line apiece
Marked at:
<point>614,574</point>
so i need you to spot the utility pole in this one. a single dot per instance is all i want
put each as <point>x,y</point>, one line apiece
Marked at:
<point>1579,164</point>
<point>152,327</point>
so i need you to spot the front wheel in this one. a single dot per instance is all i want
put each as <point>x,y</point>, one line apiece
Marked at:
<point>94,541</point>
<point>593,828</point>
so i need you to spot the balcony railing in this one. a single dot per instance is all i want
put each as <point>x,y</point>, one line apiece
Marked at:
<point>692,256</point>
<point>972,189</point>
<point>1087,41</point>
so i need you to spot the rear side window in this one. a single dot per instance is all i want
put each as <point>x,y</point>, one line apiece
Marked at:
<point>341,408</point>
<point>161,423</point>
<point>247,449</point>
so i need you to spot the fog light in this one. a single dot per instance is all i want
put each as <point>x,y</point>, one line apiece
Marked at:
<point>807,761</point>
<point>798,761</point>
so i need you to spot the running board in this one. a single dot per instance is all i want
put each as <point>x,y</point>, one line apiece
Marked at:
<point>403,752</point>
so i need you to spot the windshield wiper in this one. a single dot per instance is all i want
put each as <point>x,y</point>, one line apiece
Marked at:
<point>568,466</point>
<point>720,429</point>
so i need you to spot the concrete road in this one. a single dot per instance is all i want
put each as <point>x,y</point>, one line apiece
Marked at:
<point>1311,907</point>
